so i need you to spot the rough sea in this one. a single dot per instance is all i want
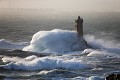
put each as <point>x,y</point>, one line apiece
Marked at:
<point>43,45</point>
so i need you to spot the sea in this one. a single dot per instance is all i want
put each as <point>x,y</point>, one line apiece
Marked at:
<point>44,45</point>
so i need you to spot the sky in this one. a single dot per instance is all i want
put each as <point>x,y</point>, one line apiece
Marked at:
<point>70,5</point>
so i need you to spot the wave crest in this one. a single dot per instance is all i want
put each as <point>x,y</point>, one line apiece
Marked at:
<point>56,41</point>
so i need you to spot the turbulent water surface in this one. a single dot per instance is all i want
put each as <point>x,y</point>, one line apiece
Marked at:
<point>47,47</point>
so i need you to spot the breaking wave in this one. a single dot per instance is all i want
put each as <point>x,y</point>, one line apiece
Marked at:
<point>37,63</point>
<point>56,41</point>
<point>60,42</point>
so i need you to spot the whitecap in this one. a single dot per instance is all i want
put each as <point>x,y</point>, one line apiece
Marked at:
<point>56,41</point>
<point>37,63</point>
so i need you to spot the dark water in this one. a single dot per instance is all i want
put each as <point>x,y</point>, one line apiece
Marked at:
<point>17,28</point>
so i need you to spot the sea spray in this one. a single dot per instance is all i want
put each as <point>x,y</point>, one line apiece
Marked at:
<point>102,45</point>
<point>56,41</point>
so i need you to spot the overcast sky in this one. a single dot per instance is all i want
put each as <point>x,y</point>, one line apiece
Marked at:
<point>77,5</point>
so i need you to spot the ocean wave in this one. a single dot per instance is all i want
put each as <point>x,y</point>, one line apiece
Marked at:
<point>65,41</point>
<point>37,63</point>
<point>80,78</point>
<point>102,46</point>
<point>56,41</point>
<point>4,44</point>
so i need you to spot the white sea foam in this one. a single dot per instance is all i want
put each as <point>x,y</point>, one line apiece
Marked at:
<point>80,78</point>
<point>37,63</point>
<point>97,53</point>
<point>4,44</point>
<point>56,41</point>
<point>95,78</point>
<point>76,78</point>
<point>101,47</point>
<point>9,59</point>
<point>65,41</point>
